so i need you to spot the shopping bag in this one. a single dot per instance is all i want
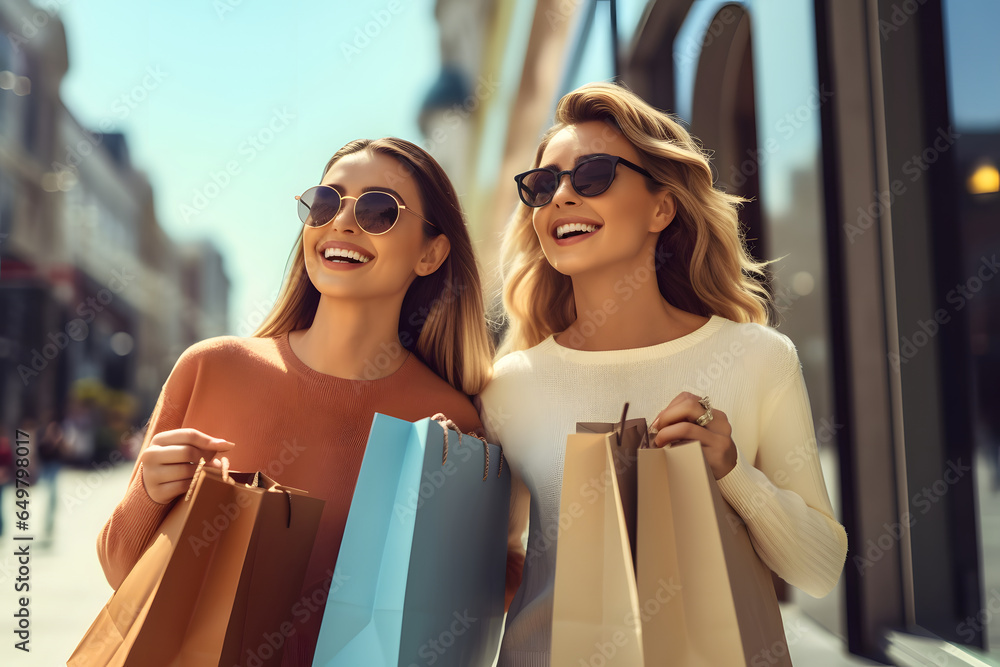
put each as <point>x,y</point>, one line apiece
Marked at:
<point>632,435</point>
<point>706,598</point>
<point>595,612</point>
<point>422,564</point>
<point>216,583</point>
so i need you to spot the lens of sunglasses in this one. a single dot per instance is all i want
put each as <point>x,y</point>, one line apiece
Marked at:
<point>589,179</point>
<point>376,212</point>
<point>318,205</point>
<point>593,177</point>
<point>537,187</point>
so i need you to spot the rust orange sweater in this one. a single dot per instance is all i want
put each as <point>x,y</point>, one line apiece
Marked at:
<point>305,429</point>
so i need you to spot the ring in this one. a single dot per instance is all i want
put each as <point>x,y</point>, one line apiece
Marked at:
<point>707,417</point>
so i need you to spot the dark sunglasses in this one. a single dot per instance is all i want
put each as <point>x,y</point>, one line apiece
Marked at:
<point>590,177</point>
<point>374,211</point>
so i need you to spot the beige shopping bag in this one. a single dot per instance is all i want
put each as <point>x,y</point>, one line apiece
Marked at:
<point>595,615</point>
<point>705,597</point>
<point>632,435</point>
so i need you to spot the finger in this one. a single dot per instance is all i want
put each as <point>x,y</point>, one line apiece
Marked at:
<point>680,431</point>
<point>659,421</point>
<point>684,410</point>
<point>169,490</point>
<point>156,476</point>
<point>194,437</point>
<point>175,454</point>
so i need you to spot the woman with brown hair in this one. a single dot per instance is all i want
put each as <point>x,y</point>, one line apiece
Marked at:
<point>626,278</point>
<point>381,311</point>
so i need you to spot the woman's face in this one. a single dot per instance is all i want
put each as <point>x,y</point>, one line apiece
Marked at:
<point>619,224</point>
<point>389,262</point>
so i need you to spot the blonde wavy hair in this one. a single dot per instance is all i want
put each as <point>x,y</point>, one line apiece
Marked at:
<point>702,262</point>
<point>442,319</point>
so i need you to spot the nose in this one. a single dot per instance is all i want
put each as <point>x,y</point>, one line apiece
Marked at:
<point>564,195</point>
<point>345,221</point>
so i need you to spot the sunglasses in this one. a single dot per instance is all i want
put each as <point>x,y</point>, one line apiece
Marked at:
<point>590,177</point>
<point>375,211</point>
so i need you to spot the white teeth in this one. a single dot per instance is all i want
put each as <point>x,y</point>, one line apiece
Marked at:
<point>563,230</point>
<point>347,254</point>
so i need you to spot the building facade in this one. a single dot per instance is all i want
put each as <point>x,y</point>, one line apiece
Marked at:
<point>96,300</point>
<point>845,123</point>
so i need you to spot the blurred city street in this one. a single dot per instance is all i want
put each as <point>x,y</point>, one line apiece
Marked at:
<point>68,588</point>
<point>150,153</point>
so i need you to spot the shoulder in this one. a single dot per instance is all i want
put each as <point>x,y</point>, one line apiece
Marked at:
<point>762,350</point>
<point>221,349</point>
<point>221,356</point>
<point>511,371</point>
<point>435,394</point>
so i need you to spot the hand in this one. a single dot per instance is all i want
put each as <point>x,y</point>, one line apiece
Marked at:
<point>677,422</point>
<point>168,464</point>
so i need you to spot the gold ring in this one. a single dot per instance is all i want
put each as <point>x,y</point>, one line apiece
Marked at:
<point>707,417</point>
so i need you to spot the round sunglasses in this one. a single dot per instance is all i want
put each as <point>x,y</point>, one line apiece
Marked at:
<point>590,177</point>
<point>375,211</point>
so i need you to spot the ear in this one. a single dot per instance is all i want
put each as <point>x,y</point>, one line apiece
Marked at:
<point>666,209</point>
<point>435,252</point>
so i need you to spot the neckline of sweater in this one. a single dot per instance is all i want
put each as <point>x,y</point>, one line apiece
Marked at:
<point>292,360</point>
<point>550,346</point>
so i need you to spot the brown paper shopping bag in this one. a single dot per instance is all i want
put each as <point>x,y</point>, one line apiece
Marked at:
<point>706,598</point>
<point>223,572</point>
<point>595,614</point>
<point>631,436</point>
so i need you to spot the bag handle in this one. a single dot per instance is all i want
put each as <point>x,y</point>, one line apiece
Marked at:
<point>620,426</point>
<point>486,447</point>
<point>254,483</point>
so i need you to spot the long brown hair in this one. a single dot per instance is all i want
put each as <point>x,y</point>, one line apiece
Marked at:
<point>442,319</point>
<point>702,262</point>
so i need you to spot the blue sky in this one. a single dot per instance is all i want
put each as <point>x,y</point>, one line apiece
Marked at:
<point>234,106</point>
<point>250,96</point>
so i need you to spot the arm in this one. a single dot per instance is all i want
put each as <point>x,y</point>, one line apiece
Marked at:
<point>156,479</point>
<point>520,500</point>
<point>134,521</point>
<point>783,498</point>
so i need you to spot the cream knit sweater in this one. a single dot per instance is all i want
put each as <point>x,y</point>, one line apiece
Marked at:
<point>750,372</point>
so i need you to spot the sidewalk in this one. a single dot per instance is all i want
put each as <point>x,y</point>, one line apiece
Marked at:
<point>68,588</point>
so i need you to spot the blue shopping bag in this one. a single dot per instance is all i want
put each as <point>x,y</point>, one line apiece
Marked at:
<point>422,564</point>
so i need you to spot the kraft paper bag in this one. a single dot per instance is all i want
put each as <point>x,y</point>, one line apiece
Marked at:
<point>595,610</point>
<point>423,562</point>
<point>706,597</point>
<point>632,435</point>
<point>224,569</point>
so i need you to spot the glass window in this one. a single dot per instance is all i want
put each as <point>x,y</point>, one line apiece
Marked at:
<point>784,161</point>
<point>971,53</point>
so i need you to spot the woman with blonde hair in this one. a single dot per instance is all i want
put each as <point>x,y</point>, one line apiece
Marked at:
<point>381,311</point>
<point>626,278</point>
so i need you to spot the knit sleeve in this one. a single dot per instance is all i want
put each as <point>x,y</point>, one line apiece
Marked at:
<point>782,496</point>
<point>135,520</point>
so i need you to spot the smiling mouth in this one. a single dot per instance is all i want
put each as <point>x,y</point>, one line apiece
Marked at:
<point>575,229</point>
<point>343,256</point>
